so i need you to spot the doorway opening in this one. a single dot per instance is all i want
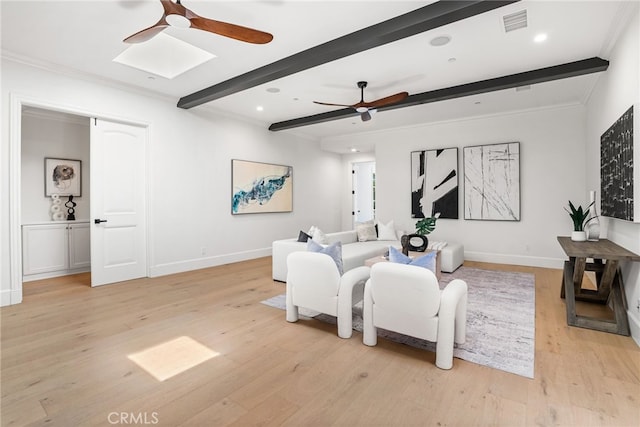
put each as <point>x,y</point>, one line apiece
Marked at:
<point>55,193</point>
<point>363,191</point>
<point>18,103</point>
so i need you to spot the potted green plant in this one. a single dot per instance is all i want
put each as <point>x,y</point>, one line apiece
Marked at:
<point>423,227</point>
<point>579,217</point>
<point>427,225</point>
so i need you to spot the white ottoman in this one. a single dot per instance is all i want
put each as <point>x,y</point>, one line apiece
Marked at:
<point>451,257</point>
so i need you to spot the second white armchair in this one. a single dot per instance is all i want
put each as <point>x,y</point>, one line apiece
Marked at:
<point>407,299</point>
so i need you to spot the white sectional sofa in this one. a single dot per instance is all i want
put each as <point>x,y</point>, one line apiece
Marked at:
<point>355,253</point>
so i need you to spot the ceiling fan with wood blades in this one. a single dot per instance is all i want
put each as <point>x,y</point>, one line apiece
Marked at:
<point>175,14</point>
<point>366,109</point>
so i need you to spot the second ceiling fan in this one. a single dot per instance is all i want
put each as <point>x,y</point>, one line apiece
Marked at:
<point>366,108</point>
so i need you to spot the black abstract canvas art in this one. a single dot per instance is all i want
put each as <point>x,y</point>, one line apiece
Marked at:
<point>434,183</point>
<point>616,169</point>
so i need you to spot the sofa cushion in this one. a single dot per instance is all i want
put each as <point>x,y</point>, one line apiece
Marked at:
<point>354,255</point>
<point>345,237</point>
<point>334,251</point>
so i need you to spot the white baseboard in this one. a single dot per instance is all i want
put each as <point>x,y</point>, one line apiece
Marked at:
<point>197,264</point>
<point>10,297</point>
<point>634,326</point>
<point>5,297</point>
<point>530,261</point>
<point>51,275</point>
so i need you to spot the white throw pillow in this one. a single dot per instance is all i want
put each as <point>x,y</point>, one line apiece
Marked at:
<point>386,231</point>
<point>317,235</point>
<point>366,231</point>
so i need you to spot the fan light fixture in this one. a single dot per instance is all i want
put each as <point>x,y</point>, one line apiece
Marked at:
<point>178,21</point>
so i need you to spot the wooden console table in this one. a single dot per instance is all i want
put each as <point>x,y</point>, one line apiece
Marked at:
<point>610,289</point>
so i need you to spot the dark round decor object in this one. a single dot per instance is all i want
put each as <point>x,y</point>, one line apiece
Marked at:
<point>407,245</point>
<point>71,209</point>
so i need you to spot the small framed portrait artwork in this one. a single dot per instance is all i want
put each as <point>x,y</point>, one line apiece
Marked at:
<point>62,177</point>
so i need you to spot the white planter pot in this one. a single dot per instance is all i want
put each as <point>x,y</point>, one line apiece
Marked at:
<point>578,236</point>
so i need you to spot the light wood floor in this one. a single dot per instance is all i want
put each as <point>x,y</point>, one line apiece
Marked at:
<point>65,362</point>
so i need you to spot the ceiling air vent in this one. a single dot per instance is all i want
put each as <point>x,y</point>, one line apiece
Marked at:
<point>515,21</point>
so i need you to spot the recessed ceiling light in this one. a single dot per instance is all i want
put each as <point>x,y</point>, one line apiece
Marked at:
<point>260,108</point>
<point>151,56</point>
<point>540,38</point>
<point>273,90</point>
<point>354,150</point>
<point>440,40</point>
<point>452,59</point>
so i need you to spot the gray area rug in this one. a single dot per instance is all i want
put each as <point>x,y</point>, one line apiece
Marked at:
<point>500,320</point>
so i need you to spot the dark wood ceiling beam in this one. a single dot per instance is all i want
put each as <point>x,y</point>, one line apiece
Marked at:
<point>556,72</point>
<point>418,21</point>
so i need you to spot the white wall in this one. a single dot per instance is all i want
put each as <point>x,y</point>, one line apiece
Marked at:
<point>190,154</point>
<point>551,172</point>
<point>42,137</point>
<point>614,93</point>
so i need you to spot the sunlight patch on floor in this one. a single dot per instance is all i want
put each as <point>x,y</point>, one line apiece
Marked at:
<point>168,359</point>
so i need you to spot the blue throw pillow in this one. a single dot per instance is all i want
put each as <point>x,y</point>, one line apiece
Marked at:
<point>334,251</point>
<point>426,261</point>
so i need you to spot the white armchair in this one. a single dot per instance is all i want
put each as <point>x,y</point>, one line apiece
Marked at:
<point>407,299</point>
<point>313,282</point>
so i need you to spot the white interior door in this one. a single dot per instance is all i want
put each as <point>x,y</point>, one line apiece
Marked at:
<point>363,191</point>
<point>118,202</point>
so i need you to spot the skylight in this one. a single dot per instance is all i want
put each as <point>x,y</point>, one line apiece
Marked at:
<point>164,56</point>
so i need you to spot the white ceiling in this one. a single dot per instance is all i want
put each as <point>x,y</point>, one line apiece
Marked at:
<point>86,36</point>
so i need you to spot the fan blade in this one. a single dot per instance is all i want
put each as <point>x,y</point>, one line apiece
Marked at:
<point>168,7</point>
<point>393,99</point>
<point>366,116</point>
<point>233,31</point>
<point>147,33</point>
<point>332,105</point>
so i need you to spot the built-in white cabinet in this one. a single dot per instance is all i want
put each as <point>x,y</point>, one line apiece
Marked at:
<point>55,249</point>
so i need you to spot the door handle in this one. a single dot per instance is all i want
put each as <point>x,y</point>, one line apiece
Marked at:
<point>98,221</point>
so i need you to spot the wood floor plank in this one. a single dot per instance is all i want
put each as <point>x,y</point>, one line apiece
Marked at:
<point>65,361</point>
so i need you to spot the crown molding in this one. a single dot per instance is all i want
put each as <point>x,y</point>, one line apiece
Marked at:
<point>77,74</point>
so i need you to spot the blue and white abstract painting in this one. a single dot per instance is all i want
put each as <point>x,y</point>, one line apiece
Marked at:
<point>260,187</point>
<point>492,182</point>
